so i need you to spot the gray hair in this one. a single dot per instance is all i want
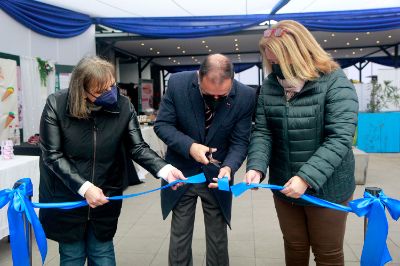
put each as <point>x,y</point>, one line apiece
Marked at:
<point>219,65</point>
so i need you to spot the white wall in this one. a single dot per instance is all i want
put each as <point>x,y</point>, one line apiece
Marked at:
<point>128,73</point>
<point>20,40</point>
<point>389,74</point>
<point>384,73</point>
<point>249,76</point>
<point>370,69</point>
<point>364,95</point>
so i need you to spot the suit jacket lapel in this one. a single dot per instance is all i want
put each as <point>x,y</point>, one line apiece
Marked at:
<point>221,113</point>
<point>197,106</point>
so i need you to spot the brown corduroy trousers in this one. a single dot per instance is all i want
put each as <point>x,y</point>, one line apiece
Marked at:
<point>320,228</point>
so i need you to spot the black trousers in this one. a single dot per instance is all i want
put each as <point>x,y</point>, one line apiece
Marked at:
<point>180,245</point>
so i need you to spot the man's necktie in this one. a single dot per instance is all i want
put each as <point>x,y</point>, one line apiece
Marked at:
<point>209,115</point>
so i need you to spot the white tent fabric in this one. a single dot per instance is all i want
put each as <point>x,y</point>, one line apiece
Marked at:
<point>299,6</point>
<point>164,8</point>
<point>172,8</point>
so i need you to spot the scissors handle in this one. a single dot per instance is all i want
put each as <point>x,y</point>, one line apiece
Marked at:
<point>212,160</point>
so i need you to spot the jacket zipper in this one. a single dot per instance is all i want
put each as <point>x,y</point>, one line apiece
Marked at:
<point>287,136</point>
<point>94,157</point>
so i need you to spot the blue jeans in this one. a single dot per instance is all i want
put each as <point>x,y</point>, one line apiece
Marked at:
<point>98,253</point>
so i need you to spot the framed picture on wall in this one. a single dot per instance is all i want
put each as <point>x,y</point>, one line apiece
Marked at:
<point>145,94</point>
<point>8,98</point>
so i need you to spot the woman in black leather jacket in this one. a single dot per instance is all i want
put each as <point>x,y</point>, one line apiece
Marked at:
<point>85,132</point>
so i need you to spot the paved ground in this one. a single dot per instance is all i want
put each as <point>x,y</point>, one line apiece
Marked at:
<point>255,239</point>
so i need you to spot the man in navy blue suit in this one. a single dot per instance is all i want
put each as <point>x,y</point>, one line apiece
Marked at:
<point>205,120</point>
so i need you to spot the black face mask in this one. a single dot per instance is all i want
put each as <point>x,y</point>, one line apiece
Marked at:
<point>277,71</point>
<point>213,103</point>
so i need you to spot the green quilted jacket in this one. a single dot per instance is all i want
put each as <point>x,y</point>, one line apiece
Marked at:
<point>309,136</point>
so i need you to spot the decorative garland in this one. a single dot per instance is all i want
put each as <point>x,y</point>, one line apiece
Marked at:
<point>44,70</point>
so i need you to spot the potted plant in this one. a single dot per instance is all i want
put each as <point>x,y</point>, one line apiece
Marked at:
<point>382,95</point>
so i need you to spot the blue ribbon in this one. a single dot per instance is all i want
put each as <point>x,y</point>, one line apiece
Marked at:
<point>196,179</point>
<point>223,183</point>
<point>20,204</point>
<point>240,188</point>
<point>375,250</point>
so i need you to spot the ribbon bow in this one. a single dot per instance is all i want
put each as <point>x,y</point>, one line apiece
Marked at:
<point>375,251</point>
<point>18,207</point>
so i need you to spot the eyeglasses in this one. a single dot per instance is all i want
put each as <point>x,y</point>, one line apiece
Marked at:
<point>277,32</point>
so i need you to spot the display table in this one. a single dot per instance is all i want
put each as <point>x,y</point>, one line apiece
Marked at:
<point>10,172</point>
<point>155,144</point>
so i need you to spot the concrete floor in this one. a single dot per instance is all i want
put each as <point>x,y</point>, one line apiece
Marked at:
<point>143,237</point>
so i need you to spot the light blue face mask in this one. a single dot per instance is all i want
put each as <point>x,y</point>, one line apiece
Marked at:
<point>108,98</point>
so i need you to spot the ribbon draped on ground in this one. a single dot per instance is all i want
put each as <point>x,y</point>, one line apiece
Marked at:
<point>375,251</point>
<point>20,206</point>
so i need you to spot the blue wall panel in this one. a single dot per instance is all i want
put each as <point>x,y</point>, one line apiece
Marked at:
<point>379,132</point>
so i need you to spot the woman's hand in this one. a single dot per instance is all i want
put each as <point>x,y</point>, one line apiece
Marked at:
<point>295,187</point>
<point>252,176</point>
<point>94,197</point>
<point>174,175</point>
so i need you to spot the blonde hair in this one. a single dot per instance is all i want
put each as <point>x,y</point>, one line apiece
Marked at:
<point>90,72</point>
<point>299,54</point>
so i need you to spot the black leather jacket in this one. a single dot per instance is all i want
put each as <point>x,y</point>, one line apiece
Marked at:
<point>78,150</point>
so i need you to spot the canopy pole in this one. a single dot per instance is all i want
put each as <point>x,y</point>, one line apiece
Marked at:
<point>360,68</point>
<point>278,6</point>
<point>163,79</point>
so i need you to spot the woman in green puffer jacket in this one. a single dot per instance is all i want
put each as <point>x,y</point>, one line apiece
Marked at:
<point>305,123</point>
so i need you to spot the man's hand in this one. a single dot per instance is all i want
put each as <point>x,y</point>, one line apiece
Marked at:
<point>174,175</point>
<point>295,187</point>
<point>224,171</point>
<point>252,176</point>
<point>198,152</point>
<point>94,197</point>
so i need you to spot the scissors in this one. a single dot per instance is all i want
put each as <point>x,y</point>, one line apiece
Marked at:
<point>212,160</point>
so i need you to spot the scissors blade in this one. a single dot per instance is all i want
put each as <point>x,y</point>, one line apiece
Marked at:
<point>212,160</point>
